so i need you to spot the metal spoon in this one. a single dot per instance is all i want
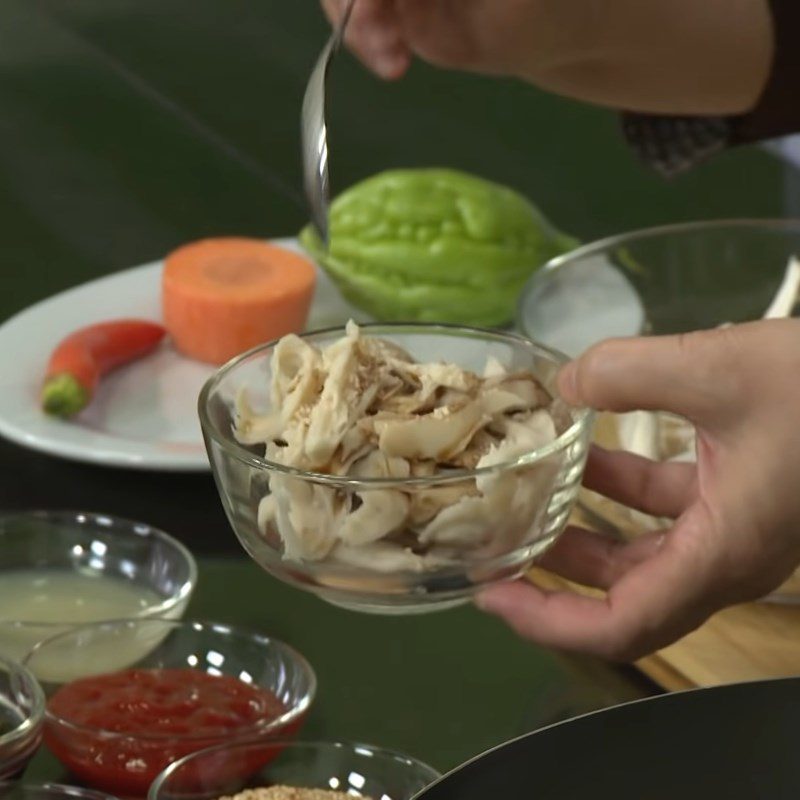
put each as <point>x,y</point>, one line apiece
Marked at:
<point>314,132</point>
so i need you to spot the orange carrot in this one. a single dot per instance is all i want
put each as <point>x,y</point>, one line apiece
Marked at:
<point>83,357</point>
<point>224,296</point>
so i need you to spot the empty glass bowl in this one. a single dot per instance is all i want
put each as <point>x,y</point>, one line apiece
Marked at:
<point>353,769</point>
<point>378,577</point>
<point>124,760</point>
<point>62,568</point>
<point>21,717</point>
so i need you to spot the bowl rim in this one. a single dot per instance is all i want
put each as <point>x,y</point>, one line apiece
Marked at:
<point>286,718</point>
<point>581,416</point>
<point>655,231</point>
<point>109,524</point>
<point>63,789</point>
<point>296,744</point>
<point>765,224</point>
<point>31,724</point>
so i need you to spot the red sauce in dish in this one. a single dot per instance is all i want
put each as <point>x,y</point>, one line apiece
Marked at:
<point>136,722</point>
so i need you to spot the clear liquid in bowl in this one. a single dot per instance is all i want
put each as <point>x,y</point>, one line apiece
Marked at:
<point>37,604</point>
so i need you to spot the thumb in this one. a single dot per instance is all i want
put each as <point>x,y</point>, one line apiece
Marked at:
<point>695,375</point>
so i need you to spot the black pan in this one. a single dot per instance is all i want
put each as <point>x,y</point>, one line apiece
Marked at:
<point>726,743</point>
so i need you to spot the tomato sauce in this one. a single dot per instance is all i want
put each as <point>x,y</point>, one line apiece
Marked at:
<point>136,722</point>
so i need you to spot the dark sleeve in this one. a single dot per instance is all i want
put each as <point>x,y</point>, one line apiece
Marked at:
<point>674,144</point>
<point>778,110</point>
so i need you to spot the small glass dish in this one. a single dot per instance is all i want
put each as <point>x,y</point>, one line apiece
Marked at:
<point>51,560</point>
<point>21,718</point>
<point>378,578</point>
<point>354,769</point>
<point>125,762</point>
<point>48,791</point>
<point>665,280</point>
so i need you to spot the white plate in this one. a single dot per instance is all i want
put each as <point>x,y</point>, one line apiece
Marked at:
<point>144,416</point>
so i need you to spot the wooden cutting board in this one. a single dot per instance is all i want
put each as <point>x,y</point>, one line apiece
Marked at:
<point>742,643</point>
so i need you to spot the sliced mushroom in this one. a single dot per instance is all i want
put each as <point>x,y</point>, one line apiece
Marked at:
<point>289,450</point>
<point>502,401</point>
<point>308,517</point>
<point>462,524</point>
<point>369,424</point>
<point>494,368</point>
<point>380,557</point>
<point>676,438</point>
<point>434,376</point>
<point>406,404</point>
<point>520,437</point>
<point>389,385</point>
<point>355,444</point>
<point>529,391</point>
<point>638,433</point>
<point>423,468</point>
<point>267,512</point>
<point>380,513</point>
<point>439,435</point>
<point>383,351</point>
<point>380,465</point>
<point>342,402</point>
<point>469,458</point>
<point>251,428</point>
<point>296,376</point>
<point>525,494</point>
<point>427,503</point>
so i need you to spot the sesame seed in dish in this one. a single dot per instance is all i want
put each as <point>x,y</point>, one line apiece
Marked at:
<point>289,793</point>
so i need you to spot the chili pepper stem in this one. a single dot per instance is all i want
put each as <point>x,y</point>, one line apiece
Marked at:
<point>63,396</point>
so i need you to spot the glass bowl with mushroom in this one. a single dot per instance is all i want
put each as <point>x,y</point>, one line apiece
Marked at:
<point>395,468</point>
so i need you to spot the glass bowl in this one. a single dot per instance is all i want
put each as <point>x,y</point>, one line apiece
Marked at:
<point>666,280</point>
<point>355,769</point>
<point>21,718</point>
<point>140,571</point>
<point>48,791</point>
<point>671,279</point>
<point>126,763</point>
<point>389,577</point>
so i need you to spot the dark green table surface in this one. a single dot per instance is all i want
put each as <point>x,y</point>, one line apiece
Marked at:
<point>442,687</point>
<point>130,126</point>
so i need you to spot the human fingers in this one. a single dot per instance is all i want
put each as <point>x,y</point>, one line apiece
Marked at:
<point>696,375</point>
<point>374,35</point>
<point>663,489</point>
<point>654,603</point>
<point>445,33</point>
<point>596,560</point>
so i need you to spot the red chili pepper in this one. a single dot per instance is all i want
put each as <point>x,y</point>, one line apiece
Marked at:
<point>83,357</point>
